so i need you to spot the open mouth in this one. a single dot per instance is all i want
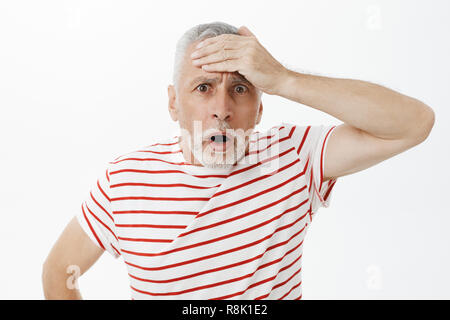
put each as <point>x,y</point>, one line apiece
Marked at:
<point>220,142</point>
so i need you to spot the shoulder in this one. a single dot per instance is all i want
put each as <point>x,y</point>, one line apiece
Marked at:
<point>290,131</point>
<point>281,130</point>
<point>158,148</point>
<point>308,132</point>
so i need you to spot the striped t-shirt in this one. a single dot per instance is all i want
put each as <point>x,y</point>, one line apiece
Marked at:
<point>191,232</point>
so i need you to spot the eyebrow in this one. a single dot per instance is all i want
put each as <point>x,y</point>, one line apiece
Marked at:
<point>235,78</point>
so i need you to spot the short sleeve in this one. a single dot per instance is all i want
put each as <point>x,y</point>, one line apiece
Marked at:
<point>96,218</point>
<point>310,144</point>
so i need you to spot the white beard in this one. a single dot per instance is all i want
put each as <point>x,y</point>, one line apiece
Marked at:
<point>211,159</point>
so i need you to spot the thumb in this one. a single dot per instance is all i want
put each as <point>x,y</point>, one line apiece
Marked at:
<point>244,31</point>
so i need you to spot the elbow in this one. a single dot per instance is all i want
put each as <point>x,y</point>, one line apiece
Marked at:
<point>52,279</point>
<point>46,278</point>
<point>428,120</point>
<point>424,124</point>
<point>57,283</point>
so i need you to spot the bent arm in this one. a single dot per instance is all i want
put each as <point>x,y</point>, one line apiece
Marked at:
<point>377,110</point>
<point>378,122</point>
<point>71,256</point>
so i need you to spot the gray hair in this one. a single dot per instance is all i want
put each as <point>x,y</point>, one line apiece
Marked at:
<point>197,33</point>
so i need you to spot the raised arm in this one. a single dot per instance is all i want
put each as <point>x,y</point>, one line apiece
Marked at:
<point>378,122</point>
<point>71,256</point>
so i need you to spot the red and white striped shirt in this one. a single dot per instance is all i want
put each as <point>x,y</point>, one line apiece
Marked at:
<point>191,232</point>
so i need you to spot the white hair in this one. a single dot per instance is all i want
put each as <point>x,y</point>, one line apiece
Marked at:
<point>197,33</point>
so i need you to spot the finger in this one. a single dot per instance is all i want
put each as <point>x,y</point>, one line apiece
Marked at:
<point>215,39</point>
<point>224,66</point>
<point>218,56</point>
<point>214,47</point>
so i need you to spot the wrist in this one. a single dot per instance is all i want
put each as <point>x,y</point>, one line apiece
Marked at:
<point>287,84</point>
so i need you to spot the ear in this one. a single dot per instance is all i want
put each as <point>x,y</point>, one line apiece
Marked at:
<point>173,110</point>
<point>260,112</point>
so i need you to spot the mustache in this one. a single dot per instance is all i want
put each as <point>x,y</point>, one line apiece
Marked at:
<point>222,126</point>
<point>199,134</point>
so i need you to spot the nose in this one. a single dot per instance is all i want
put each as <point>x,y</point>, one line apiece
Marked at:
<point>221,107</point>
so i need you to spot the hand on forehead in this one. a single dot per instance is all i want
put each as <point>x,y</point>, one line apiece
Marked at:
<point>242,54</point>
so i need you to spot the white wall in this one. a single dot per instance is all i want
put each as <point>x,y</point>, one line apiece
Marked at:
<point>82,82</point>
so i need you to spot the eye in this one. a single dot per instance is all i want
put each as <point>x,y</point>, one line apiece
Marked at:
<point>242,90</point>
<point>203,85</point>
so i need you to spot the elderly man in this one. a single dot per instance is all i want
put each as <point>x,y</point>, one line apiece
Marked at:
<point>221,211</point>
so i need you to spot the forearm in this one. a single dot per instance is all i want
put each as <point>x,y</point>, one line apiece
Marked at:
<point>372,108</point>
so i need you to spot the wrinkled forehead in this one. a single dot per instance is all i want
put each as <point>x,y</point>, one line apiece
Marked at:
<point>215,78</point>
